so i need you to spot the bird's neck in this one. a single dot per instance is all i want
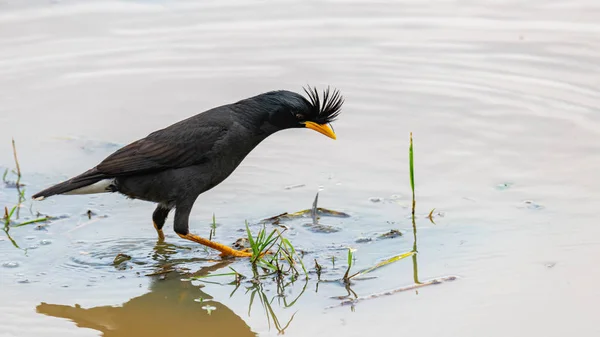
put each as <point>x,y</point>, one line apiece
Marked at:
<point>255,117</point>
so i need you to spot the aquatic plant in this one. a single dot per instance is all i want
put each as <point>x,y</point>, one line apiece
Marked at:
<point>10,216</point>
<point>213,228</point>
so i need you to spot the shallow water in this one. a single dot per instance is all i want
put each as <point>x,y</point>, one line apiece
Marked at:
<point>501,98</point>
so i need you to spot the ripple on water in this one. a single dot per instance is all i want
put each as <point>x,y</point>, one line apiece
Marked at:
<point>10,264</point>
<point>100,256</point>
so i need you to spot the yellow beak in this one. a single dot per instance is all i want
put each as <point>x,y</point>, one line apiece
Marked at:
<point>321,128</point>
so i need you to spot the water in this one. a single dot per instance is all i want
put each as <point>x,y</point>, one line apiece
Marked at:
<point>501,98</point>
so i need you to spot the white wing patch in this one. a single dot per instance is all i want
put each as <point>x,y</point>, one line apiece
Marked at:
<point>102,186</point>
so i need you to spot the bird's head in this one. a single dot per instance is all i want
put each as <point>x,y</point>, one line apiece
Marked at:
<point>289,110</point>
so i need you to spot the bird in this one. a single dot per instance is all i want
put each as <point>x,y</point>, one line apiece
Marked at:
<point>172,166</point>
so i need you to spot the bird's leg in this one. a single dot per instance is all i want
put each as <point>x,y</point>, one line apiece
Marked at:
<point>225,250</point>
<point>182,213</point>
<point>158,218</point>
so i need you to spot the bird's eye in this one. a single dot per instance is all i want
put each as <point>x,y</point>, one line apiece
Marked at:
<point>300,116</point>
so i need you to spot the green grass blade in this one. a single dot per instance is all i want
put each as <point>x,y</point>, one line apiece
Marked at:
<point>384,263</point>
<point>12,211</point>
<point>267,264</point>
<point>31,222</point>
<point>349,257</point>
<point>288,244</point>
<point>251,239</point>
<point>268,245</point>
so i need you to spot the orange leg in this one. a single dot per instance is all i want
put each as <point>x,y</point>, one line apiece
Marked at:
<point>161,235</point>
<point>225,250</point>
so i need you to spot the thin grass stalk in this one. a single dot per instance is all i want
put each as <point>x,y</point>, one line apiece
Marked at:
<point>18,183</point>
<point>14,146</point>
<point>392,259</point>
<point>412,173</point>
<point>415,252</point>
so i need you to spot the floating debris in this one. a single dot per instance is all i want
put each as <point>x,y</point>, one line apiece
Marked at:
<point>120,258</point>
<point>304,214</point>
<point>294,186</point>
<point>45,242</point>
<point>314,212</point>
<point>375,199</point>
<point>393,233</point>
<point>241,243</point>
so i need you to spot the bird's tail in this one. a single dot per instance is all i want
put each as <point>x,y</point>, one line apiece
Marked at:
<point>88,182</point>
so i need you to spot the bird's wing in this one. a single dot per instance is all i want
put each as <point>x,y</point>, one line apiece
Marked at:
<point>163,150</point>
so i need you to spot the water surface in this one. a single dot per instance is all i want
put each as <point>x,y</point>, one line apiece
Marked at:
<point>501,97</point>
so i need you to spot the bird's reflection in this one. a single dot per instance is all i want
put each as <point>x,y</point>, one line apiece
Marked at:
<point>168,308</point>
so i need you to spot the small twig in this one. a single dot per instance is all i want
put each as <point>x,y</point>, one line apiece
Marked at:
<point>394,291</point>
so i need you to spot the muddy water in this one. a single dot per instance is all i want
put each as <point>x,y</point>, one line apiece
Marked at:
<point>501,97</point>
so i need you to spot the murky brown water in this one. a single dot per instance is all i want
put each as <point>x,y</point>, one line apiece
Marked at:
<point>502,99</point>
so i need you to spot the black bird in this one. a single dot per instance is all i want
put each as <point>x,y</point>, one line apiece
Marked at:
<point>174,165</point>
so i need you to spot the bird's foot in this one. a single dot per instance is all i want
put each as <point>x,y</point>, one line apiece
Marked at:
<point>159,231</point>
<point>225,250</point>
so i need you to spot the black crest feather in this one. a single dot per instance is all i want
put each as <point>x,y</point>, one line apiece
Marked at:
<point>327,109</point>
